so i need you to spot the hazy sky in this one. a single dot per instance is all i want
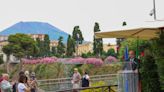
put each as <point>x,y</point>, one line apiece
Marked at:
<point>65,14</point>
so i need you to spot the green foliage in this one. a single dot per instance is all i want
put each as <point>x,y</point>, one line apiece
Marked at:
<point>160,64</point>
<point>60,47</point>
<point>46,45</point>
<point>49,71</point>
<point>77,35</point>
<point>97,43</point>
<point>70,46</point>
<point>84,55</point>
<point>54,50</point>
<point>14,71</point>
<point>21,45</point>
<point>99,83</point>
<point>111,52</point>
<point>149,74</point>
<point>132,45</point>
<point>59,70</point>
<point>87,55</point>
<point>40,45</point>
<point>7,50</point>
<point>157,46</point>
<point>105,69</point>
<point>1,59</point>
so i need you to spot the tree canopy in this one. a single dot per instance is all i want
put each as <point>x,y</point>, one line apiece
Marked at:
<point>77,35</point>
<point>20,46</point>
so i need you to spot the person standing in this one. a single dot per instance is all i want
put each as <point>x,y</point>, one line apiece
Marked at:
<point>5,84</point>
<point>133,61</point>
<point>131,72</point>
<point>85,80</point>
<point>33,82</point>
<point>22,85</point>
<point>76,79</point>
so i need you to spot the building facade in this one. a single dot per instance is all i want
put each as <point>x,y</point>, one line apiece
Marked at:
<point>84,48</point>
<point>35,36</point>
<point>106,47</point>
<point>88,47</point>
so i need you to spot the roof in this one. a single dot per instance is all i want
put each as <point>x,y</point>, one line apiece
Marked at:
<point>142,32</point>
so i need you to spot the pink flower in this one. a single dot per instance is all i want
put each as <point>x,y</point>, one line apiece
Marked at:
<point>45,60</point>
<point>110,59</point>
<point>94,61</point>
<point>77,60</point>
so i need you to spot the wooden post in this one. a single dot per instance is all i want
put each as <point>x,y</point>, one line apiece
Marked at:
<point>109,88</point>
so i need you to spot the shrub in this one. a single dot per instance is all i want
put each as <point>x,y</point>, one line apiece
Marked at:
<point>1,59</point>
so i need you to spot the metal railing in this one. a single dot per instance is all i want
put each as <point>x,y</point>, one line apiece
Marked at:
<point>126,79</point>
<point>65,83</point>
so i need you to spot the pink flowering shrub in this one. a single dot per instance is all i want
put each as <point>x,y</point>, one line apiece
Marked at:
<point>110,59</point>
<point>45,60</point>
<point>94,61</point>
<point>76,60</point>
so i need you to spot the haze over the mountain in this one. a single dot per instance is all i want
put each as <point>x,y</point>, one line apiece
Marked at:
<point>36,28</point>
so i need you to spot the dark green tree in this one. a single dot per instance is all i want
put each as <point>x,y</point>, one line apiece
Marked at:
<point>70,46</point>
<point>40,46</point>
<point>60,47</point>
<point>97,43</point>
<point>160,44</point>
<point>54,50</point>
<point>46,45</point>
<point>1,59</point>
<point>21,46</point>
<point>157,48</point>
<point>8,51</point>
<point>111,52</point>
<point>77,35</point>
<point>149,74</point>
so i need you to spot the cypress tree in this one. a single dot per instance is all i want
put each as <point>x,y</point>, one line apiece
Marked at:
<point>46,45</point>
<point>60,47</point>
<point>54,50</point>
<point>97,43</point>
<point>70,46</point>
<point>77,35</point>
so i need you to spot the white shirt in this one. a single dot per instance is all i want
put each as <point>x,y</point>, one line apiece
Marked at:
<point>21,87</point>
<point>86,76</point>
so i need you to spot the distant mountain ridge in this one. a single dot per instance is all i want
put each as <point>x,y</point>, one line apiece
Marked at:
<point>36,28</point>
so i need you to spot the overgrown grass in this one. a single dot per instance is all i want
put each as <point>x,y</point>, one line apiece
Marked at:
<point>59,70</point>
